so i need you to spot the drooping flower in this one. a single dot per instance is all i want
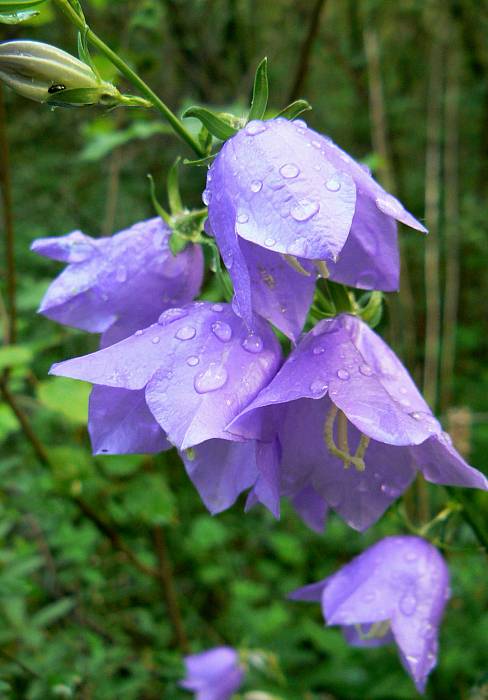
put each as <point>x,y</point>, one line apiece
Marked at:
<point>395,591</point>
<point>215,674</point>
<point>183,380</point>
<point>285,188</point>
<point>118,284</point>
<point>352,424</point>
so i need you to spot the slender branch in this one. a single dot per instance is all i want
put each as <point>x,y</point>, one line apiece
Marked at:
<point>131,75</point>
<point>306,50</point>
<point>8,224</point>
<point>451,206</point>
<point>104,527</point>
<point>168,588</point>
<point>432,200</point>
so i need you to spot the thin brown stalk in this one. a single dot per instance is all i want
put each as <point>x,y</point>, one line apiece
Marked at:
<point>451,209</point>
<point>303,64</point>
<point>168,588</point>
<point>8,223</point>
<point>432,210</point>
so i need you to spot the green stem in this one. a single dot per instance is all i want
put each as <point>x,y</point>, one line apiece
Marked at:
<point>131,75</point>
<point>470,515</point>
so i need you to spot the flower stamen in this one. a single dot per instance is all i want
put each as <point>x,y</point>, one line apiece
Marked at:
<point>376,631</point>
<point>322,268</point>
<point>342,450</point>
<point>293,261</point>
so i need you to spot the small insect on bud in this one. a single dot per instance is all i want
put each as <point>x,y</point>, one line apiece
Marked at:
<point>45,73</point>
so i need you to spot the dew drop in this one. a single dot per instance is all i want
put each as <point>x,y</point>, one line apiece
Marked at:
<point>305,209</point>
<point>300,124</point>
<point>222,331</point>
<point>318,350</point>
<point>217,307</point>
<point>316,144</point>
<point>213,378</point>
<point>155,340</point>
<point>242,218</point>
<point>318,387</point>
<point>365,370</point>
<point>171,315</point>
<point>255,127</point>
<point>343,374</point>
<point>185,333</point>
<point>206,197</point>
<point>139,332</point>
<point>289,171</point>
<point>269,242</point>
<point>333,184</point>
<point>410,556</point>
<point>408,604</point>
<point>256,186</point>
<point>192,361</point>
<point>415,415</point>
<point>252,343</point>
<point>390,491</point>
<point>334,493</point>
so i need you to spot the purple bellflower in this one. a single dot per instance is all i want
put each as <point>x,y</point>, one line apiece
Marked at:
<point>395,591</point>
<point>351,424</point>
<point>181,381</point>
<point>282,187</point>
<point>214,674</point>
<point>118,284</point>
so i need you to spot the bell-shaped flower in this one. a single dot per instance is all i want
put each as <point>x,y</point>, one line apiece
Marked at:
<point>117,284</point>
<point>352,424</point>
<point>395,591</point>
<point>215,674</point>
<point>283,187</point>
<point>184,379</point>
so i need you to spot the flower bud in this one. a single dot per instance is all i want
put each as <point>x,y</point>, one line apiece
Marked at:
<point>45,73</point>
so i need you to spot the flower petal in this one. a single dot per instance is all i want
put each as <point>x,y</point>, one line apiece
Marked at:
<point>441,464</point>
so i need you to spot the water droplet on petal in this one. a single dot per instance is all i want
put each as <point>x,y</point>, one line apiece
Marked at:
<point>300,123</point>
<point>334,493</point>
<point>206,197</point>
<point>185,333</point>
<point>415,415</point>
<point>242,218</point>
<point>222,331</point>
<point>213,378</point>
<point>139,332</point>
<point>255,127</point>
<point>289,171</point>
<point>389,205</point>
<point>193,360</point>
<point>121,273</point>
<point>252,343</point>
<point>256,186</point>
<point>390,491</point>
<point>155,340</point>
<point>318,350</point>
<point>217,307</point>
<point>318,387</point>
<point>343,374</point>
<point>269,242</point>
<point>408,604</point>
<point>171,315</point>
<point>366,370</point>
<point>305,209</point>
<point>316,144</point>
<point>333,184</point>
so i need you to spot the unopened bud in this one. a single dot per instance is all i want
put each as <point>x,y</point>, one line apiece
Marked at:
<point>45,73</point>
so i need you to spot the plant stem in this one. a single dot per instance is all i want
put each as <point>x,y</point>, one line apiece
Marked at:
<point>470,515</point>
<point>306,50</point>
<point>9,226</point>
<point>131,75</point>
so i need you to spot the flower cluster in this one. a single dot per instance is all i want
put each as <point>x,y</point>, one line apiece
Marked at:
<point>337,423</point>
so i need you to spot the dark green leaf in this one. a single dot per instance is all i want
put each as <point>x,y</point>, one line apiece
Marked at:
<point>216,125</point>
<point>260,92</point>
<point>14,356</point>
<point>12,6</point>
<point>294,109</point>
<point>173,186</point>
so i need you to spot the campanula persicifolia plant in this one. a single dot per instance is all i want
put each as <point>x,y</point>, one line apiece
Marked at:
<point>241,334</point>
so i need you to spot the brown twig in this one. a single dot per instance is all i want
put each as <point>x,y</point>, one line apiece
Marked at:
<point>306,50</point>
<point>168,588</point>
<point>8,224</point>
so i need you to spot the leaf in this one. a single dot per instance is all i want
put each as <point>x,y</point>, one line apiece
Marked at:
<point>372,310</point>
<point>14,356</point>
<point>260,92</point>
<point>7,6</point>
<point>8,422</point>
<point>216,125</point>
<point>50,613</point>
<point>74,97</point>
<point>102,144</point>
<point>66,397</point>
<point>173,187</point>
<point>294,109</point>
<point>17,17</point>
<point>148,499</point>
<point>200,162</point>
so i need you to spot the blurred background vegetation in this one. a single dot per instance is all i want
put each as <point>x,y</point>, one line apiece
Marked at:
<point>110,567</point>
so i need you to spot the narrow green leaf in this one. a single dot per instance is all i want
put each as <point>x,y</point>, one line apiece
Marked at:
<point>11,6</point>
<point>157,206</point>
<point>52,612</point>
<point>173,186</point>
<point>67,397</point>
<point>260,92</point>
<point>200,162</point>
<point>295,109</point>
<point>217,126</point>
<point>17,17</point>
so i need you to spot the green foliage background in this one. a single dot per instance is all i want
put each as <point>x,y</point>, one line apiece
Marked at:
<point>77,618</point>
